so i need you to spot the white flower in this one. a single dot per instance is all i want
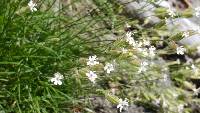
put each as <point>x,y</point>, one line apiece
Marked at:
<point>32,6</point>
<point>152,51</point>
<point>131,41</point>
<point>128,34</point>
<point>197,12</point>
<point>194,69</point>
<point>122,104</point>
<point>124,51</point>
<point>143,66</point>
<point>129,38</point>
<point>180,50</point>
<point>57,79</point>
<point>156,102</point>
<point>171,12</point>
<point>165,77</point>
<point>164,104</point>
<point>138,46</point>
<point>91,76</point>
<point>180,108</point>
<point>196,91</point>
<point>109,67</point>
<point>185,34</point>
<point>92,60</point>
<point>146,43</point>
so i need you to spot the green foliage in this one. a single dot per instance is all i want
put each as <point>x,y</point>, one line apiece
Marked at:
<point>60,36</point>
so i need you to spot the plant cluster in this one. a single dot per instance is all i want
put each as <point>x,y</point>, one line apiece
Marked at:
<point>57,55</point>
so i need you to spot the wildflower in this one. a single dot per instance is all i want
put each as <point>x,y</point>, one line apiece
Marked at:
<point>185,34</point>
<point>197,12</point>
<point>146,42</point>
<point>109,67</point>
<point>32,6</point>
<point>165,77</point>
<point>92,60</point>
<point>152,51</point>
<point>138,46</point>
<point>143,66</point>
<point>129,38</point>
<point>194,69</point>
<point>180,108</point>
<point>196,91</point>
<point>156,102</point>
<point>164,104</point>
<point>129,34</point>
<point>180,50</point>
<point>171,12</point>
<point>122,104</point>
<point>91,76</point>
<point>57,79</point>
<point>124,51</point>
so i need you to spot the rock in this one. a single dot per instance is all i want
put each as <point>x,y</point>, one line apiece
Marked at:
<point>101,105</point>
<point>181,24</point>
<point>141,10</point>
<point>192,41</point>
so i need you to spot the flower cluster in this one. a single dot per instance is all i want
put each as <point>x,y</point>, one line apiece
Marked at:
<point>129,38</point>
<point>143,55</point>
<point>141,46</point>
<point>92,61</point>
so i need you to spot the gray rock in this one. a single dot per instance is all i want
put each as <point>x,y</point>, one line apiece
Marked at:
<point>101,105</point>
<point>141,9</point>
<point>193,40</point>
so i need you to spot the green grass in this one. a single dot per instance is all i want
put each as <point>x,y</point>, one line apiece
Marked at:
<point>35,45</point>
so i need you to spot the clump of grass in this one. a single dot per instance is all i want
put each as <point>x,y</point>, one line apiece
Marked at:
<point>35,46</point>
